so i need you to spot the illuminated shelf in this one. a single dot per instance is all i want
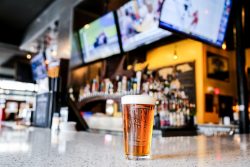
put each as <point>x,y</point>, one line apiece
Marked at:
<point>100,97</point>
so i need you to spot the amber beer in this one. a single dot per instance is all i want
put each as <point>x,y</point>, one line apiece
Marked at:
<point>138,118</point>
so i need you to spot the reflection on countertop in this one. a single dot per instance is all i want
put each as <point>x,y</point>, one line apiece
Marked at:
<point>41,147</point>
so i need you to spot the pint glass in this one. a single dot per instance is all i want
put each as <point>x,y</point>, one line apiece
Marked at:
<point>138,118</point>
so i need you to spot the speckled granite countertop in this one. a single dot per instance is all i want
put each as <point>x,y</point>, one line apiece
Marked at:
<point>40,147</point>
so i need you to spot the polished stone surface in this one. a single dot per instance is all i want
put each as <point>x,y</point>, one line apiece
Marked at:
<point>39,147</point>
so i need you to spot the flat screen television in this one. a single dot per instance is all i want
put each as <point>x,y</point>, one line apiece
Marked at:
<point>139,23</point>
<point>202,20</point>
<point>38,67</point>
<point>76,55</point>
<point>99,39</point>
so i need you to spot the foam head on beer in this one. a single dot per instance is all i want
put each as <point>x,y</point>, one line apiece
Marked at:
<point>138,99</point>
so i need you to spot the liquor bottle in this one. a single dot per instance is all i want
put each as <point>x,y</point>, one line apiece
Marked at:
<point>130,86</point>
<point>93,86</point>
<point>157,124</point>
<point>117,79</point>
<point>138,81</point>
<point>124,84</point>
<point>134,85</point>
<point>111,88</point>
<point>172,103</point>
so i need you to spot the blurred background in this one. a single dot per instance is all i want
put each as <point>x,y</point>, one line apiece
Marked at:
<point>73,60</point>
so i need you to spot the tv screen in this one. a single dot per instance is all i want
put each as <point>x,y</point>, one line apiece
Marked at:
<point>99,39</point>
<point>76,56</point>
<point>38,67</point>
<point>203,20</point>
<point>139,23</point>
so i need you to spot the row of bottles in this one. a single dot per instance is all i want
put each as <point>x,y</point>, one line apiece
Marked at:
<point>121,85</point>
<point>173,107</point>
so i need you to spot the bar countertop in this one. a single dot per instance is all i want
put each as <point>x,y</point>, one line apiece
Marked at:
<point>39,147</point>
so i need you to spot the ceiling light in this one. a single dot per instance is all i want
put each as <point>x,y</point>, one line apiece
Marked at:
<point>86,26</point>
<point>175,57</point>
<point>46,62</point>
<point>28,56</point>
<point>224,46</point>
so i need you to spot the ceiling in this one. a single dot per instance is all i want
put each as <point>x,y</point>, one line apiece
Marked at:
<point>15,17</point>
<point>6,53</point>
<point>90,10</point>
<point>100,7</point>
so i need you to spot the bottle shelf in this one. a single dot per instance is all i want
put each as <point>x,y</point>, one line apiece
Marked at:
<point>100,96</point>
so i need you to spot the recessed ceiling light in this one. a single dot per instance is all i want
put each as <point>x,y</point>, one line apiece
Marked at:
<point>86,26</point>
<point>224,46</point>
<point>28,56</point>
<point>175,57</point>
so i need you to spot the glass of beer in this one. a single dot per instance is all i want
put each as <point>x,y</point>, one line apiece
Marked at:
<point>138,118</point>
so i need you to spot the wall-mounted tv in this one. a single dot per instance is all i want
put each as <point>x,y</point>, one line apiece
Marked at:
<point>76,55</point>
<point>202,20</point>
<point>139,23</point>
<point>38,67</point>
<point>99,39</point>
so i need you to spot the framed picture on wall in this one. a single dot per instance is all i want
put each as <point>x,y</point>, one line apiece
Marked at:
<point>217,67</point>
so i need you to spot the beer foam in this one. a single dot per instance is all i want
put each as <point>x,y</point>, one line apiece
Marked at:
<point>138,99</point>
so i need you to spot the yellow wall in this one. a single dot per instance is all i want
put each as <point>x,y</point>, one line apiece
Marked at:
<point>248,58</point>
<point>226,88</point>
<point>187,50</point>
<point>86,73</point>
